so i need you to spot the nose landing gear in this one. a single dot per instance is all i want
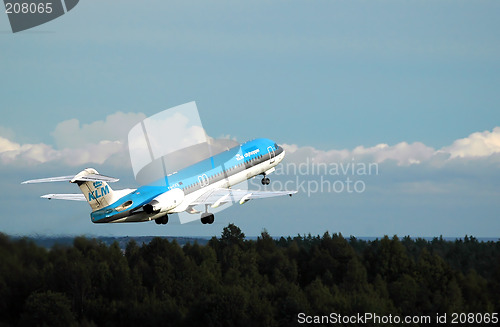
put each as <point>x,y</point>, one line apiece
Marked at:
<point>207,217</point>
<point>265,181</point>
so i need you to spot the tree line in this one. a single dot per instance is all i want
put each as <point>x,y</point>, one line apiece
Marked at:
<point>236,282</point>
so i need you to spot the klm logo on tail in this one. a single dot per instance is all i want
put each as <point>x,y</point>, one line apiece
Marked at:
<point>99,192</point>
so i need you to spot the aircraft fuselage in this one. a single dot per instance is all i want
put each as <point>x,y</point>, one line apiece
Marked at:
<point>220,171</point>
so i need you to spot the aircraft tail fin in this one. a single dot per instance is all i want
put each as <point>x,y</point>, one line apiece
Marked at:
<point>97,192</point>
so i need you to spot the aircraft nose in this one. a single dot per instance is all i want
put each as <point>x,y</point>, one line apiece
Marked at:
<point>281,156</point>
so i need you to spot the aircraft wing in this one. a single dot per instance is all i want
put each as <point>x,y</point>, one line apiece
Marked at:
<point>72,197</point>
<point>220,196</point>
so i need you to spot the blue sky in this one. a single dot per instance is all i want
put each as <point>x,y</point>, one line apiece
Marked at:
<point>323,76</point>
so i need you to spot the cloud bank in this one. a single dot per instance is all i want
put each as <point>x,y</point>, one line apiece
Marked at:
<point>103,141</point>
<point>475,146</point>
<point>75,143</point>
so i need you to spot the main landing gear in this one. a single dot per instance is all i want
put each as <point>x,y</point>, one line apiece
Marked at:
<point>162,220</point>
<point>207,218</point>
<point>265,181</point>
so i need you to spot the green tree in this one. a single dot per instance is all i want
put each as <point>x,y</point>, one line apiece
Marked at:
<point>47,309</point>
<point>232,235</point>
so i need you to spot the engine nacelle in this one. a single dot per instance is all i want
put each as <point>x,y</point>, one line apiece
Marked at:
<point>165,201</point>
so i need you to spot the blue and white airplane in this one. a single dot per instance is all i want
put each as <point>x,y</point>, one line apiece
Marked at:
<point>180,191</point>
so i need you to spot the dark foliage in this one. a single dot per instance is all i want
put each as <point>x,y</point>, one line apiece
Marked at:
<point>235,282</point>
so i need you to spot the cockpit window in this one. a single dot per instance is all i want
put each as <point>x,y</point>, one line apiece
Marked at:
<point>276,146</point>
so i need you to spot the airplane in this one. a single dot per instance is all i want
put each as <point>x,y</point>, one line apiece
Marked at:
<point>180,191</point>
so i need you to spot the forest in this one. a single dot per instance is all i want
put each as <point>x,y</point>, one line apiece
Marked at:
<point>232,281</point>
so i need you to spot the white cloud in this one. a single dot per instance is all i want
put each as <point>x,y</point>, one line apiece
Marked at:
<point>93,153</point>
<point>76,144</point>
<point>7,146</point>
<point>403,153</point>
<point>171,131</point>
<point>479,144</point>
<point>29,154</point>
<point>11,152</point>
<point>71,134</point>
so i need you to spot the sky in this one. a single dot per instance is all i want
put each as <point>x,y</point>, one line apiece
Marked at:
<point>410,87</point>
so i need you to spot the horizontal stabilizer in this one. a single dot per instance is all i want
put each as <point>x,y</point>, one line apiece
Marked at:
<point>72,197</point>
<point>74,178</point>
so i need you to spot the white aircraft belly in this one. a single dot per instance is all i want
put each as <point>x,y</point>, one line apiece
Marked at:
<point>226,183</point>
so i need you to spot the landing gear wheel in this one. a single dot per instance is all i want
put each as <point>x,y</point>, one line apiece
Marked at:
<point>162,220</point>
<point>207,218</point>
<point>265,181</point>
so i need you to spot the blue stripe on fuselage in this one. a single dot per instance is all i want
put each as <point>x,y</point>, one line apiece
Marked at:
<point>187,178</point>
